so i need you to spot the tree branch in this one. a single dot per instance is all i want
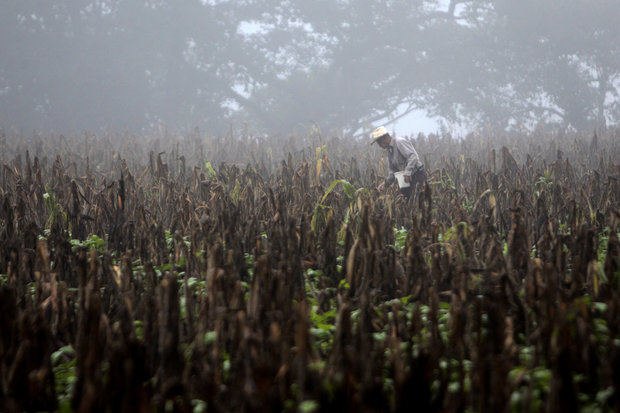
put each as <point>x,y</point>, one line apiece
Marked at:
<point>386,113</point>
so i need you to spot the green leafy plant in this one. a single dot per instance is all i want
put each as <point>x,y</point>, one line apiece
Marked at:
<point>400,238</point>
<point>64,367</point>
<point>91,242</point>
<point>209,170</point>
<point>55,210</point>
<point>322,212</point>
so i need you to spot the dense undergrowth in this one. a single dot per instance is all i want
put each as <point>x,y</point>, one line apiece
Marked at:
<point>199,274</point>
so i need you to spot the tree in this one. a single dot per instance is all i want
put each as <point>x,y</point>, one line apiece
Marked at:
<point>280,65</point>
<point>497,63</point>
<point>554,60</point>
<point>71,65</point>
<point>350,63</point>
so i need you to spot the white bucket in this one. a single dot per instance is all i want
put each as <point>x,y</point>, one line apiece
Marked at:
<point>400,177</point>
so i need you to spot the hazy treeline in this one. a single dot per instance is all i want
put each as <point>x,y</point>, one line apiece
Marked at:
<point>281,65</point>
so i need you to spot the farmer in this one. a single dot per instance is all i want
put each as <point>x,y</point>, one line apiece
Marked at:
<point>402,157</point>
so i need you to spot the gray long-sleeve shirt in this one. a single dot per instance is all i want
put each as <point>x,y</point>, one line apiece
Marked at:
<point>402,156</point>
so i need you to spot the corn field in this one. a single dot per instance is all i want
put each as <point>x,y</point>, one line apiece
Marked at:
<point>191,273</point>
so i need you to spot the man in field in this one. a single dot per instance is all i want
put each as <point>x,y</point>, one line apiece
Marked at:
<point>402,157</point>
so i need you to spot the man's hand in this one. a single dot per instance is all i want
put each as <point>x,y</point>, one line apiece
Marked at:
<point>407,178</point>
<point>381,187</point>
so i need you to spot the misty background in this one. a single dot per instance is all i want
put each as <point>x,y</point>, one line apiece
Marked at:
<point>285,66</point>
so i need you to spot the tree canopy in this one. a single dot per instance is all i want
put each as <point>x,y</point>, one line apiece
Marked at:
<point>280,65</point>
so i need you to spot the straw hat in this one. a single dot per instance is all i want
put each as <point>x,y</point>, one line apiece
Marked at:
<point>378,133</point>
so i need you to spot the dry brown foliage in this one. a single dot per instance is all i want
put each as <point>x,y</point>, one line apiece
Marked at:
<point>216,285</point>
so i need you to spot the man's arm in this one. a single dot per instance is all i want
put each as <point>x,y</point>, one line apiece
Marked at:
<point>390,178</point>
<point>408,151</point>
<point>388,181</point>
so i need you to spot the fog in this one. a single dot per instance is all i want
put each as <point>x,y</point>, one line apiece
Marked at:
<point>282,67</point>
